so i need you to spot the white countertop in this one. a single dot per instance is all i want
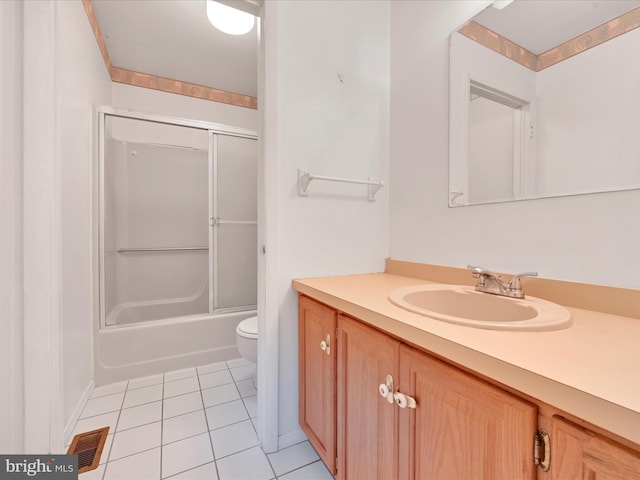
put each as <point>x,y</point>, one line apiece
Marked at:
<point>591,370</point>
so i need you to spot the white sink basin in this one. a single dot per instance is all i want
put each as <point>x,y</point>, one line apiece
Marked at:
<point>464,306</point>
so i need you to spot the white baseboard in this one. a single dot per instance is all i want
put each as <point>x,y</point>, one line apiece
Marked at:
<point>291,438</point>
<point>71,424</point>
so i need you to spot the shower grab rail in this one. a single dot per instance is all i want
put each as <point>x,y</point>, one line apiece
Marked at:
<point>159,249</point>
<point>305,178</point>
<point>215,221</point>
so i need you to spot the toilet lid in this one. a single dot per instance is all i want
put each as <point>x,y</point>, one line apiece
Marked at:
<point>248,327</point>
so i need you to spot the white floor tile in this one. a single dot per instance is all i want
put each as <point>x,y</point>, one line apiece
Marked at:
<point>95,474</point>
<point>179,374</point>
<point>135,440</point>
<point>252,405</point>
<point>146,381</point>
<point>142,466</point>
<point>99,421</point>
<point>251,464</point>
<point>233,438</point>
<point>215,379</point>
<point>204,472</point>
<point>221,394</point>
<point>162,423</point>
<point>315,471</point>
<point>238,362</point>
<point>189,402</point>
<point>212,367</point>
<point>186,454</point>
<point>100,405</point>
<point>142,395</point>
<point>109,389</point>
<point>140,415</point>
<point>179,387</point>
<point>183,426</point>
<point>246,388</point>
<point>293,457</point>
<point>226,414</point>
<point>245,372</point>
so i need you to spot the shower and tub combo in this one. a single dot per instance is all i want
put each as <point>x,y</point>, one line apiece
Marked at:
<point>177,242</point>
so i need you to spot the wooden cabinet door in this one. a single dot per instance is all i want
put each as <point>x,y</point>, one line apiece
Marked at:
<point>462,427</point>
<point>317,377</point>
<point>577,453</point>
<point>367,422</point>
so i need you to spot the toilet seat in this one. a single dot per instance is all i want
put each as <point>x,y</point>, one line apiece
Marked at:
<point>248,328</point>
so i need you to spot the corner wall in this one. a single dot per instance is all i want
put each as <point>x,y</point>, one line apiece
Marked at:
<point>11,292</point>
<point>588,238</point>
<point>327,111</point>
<point>82,84</point>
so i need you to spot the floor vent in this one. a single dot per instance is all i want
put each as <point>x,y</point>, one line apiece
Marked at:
<point>88,446</point>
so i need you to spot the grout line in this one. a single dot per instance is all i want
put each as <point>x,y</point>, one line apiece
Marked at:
<point>275,475</point>
<point>304,466</point>
<point>230,424</point>
<point>132,454</point>
<point>298,467</point>
<point>94,396</point>
<point>193,468</point>
<point>101,413</point>
<point>162,425</point>
<point>244,450</point>
<point>115,428</point>
<point>181,414</point>
<point>141,425</point>
<point>206,419</point>
<point>214,386</point>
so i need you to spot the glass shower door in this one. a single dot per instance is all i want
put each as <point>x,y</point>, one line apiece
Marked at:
<point>178,218</point>
<point>233,223</point>
<point>155,221</point>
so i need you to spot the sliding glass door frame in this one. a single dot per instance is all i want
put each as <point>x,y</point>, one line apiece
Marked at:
<point>213,129</point>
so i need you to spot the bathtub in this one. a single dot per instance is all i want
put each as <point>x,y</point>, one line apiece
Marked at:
<point>136,350</point>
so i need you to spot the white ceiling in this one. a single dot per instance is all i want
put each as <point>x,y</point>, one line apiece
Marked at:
<point>174,39</point>
<point>539,25</point>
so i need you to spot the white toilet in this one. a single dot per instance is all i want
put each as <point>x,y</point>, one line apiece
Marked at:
<point>247,339</point>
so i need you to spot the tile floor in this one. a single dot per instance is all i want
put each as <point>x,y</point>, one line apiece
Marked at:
<point>196,423</point>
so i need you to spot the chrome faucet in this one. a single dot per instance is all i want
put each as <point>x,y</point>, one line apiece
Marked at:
<point>489,282</point>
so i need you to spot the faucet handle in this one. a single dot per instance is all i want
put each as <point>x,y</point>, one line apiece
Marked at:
<point>515,284</point>
<point>476,271</point>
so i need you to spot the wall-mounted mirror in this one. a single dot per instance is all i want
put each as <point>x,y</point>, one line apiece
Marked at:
<point>545,101</point>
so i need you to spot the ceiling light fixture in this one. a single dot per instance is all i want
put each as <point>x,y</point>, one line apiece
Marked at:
<point>228,19</point>
<point>500,4</point>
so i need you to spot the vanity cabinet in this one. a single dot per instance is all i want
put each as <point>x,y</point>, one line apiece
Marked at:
<point>367,421</point>
<point>358,389</point>
<point>461,427</point>
<point>579,453</point>
<point>317,377</point>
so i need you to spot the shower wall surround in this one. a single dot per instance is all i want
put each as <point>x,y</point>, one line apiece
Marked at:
<point>179,220</point>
